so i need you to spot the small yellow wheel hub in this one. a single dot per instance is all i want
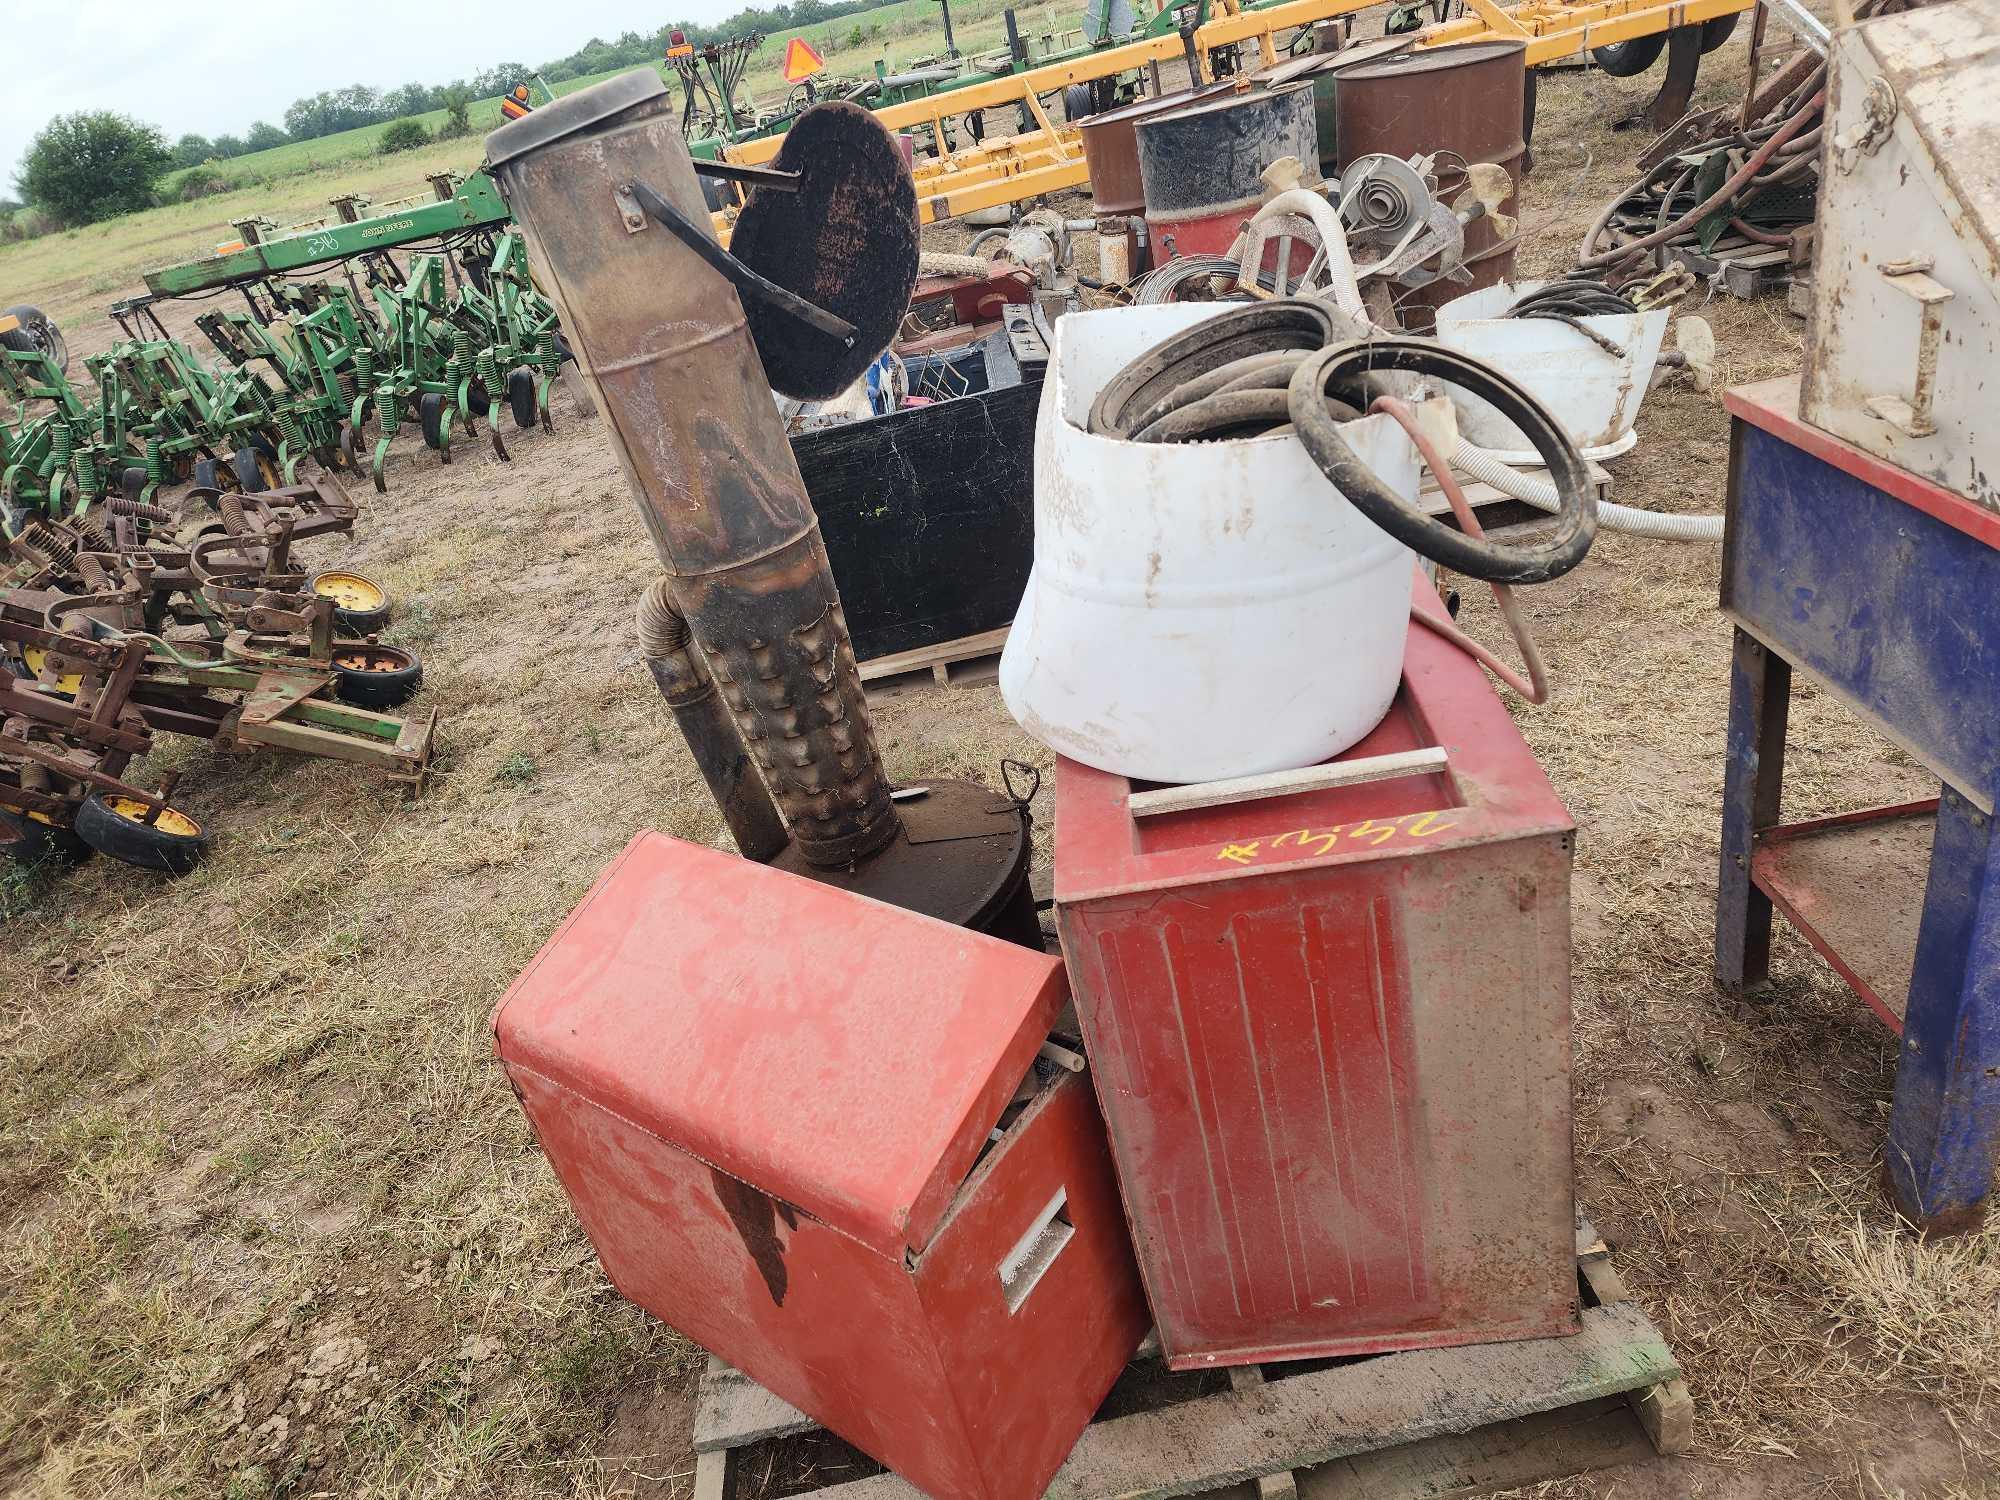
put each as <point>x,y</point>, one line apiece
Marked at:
<point>169,821</point>
<point>36,658</point>
<point>349,591</point>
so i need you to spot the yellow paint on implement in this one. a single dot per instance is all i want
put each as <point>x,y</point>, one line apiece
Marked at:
<point>36,658</point>
<point>1049,159</point>
<point>9,323</point>
<point>169,821</point>
<point>348,590</point>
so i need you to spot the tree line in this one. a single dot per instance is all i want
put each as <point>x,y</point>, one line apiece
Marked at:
<point>86,167</point>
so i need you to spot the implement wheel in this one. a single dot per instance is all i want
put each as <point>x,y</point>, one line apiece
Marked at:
<point>430,417</point>
<point>521,397</point>
<point>360,604</point>
<point>1630,59</point>
<point>116,826</point>
<point>254,472</point>
<point>376,676</point>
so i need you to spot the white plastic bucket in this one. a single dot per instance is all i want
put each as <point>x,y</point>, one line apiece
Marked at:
<point>1593,393</point>
<point>1203,610</point>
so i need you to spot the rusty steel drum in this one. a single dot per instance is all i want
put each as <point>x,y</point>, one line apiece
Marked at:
<point>1202,165</point>
<point>1466,99</point>
<point>1111,150</point>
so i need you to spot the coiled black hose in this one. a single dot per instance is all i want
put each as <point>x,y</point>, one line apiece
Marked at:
<point>1346,370</point>
<point>1571,302</point>
<point>1215,358</point>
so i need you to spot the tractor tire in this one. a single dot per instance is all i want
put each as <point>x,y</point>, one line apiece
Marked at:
<point>521,398</point>
<point>207,474</point>
<point>361,606</point>
<point>376,676</point>
<point>116,827</point>
<point>36,333</point>
<point>1630,59</point>
<point>1718,29</point>
<point>430,417</point>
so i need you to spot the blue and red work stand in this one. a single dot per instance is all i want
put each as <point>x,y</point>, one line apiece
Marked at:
<point>1885,590</point>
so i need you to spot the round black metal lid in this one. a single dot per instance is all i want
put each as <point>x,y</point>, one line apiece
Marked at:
<point>846,241</point>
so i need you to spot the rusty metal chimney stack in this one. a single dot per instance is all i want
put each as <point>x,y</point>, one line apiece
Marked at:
<point>663,341</point>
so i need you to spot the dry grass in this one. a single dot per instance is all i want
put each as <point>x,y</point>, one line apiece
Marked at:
<point>275,1226</point>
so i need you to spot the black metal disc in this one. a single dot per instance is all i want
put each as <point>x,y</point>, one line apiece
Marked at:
<point>846,241</point>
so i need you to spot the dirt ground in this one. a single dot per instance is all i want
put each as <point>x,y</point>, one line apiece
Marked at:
<point>274,1225</point>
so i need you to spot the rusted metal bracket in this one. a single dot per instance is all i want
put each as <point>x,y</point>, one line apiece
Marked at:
<point>1913,417</point>
<point>763,177</point>
<point>696,238</point>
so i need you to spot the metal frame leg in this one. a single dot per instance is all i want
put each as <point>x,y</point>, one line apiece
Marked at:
<point>1945,1124</point>
<point>1760,693</point>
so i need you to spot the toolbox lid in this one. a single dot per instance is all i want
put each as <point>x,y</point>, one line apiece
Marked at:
<point>845,1056</point>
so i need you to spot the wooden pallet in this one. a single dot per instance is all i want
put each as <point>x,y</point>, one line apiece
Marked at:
<point>1424,1423</point>
<point>1741,267</point>
<point>965,662</point>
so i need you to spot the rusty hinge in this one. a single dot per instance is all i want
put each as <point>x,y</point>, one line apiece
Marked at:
<point>1913,417</point>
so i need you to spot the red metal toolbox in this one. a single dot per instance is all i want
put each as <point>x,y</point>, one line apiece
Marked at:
<point>771,1104</point>
<point>1330,1035</point>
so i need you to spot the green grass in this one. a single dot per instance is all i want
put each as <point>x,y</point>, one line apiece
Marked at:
<point>75,275</point>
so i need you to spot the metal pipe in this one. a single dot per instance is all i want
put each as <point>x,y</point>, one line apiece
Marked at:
<point>682,677</point>
<point>661,338</point>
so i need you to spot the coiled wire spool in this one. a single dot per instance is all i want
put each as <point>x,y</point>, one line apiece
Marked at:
<point>1571,302</point>
<point>1164,284</point>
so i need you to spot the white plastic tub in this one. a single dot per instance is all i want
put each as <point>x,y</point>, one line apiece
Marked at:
<point>1199,611</point>
<point>1594,394</point>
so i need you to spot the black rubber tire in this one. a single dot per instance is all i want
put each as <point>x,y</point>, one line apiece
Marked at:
<point>261,441</point>
<point>1630,59</point>
<point>36,332</point>
<point>22,841</point>
<point>1076,101</point>
<point>521,398</point>
<point>248,471</point>
<point>377,685</point>
<point>132,483</point>
<point>207,474</point>
<point>134,843</point>
<point>1718,29</point>
<point>430,417</point>
<point>355,623</point>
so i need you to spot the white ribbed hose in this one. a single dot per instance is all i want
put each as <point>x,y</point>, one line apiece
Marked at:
<point>1541,493</point>
<point>1341,285</point>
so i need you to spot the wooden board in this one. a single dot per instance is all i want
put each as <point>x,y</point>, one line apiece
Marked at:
<point>1410,1426</point>
<point>965,662</point>
<point>1315,1418</point>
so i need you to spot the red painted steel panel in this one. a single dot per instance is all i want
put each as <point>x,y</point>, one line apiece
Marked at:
<point>744,1015</point>
<point>640,1039</point>
<point>1330,1033</point>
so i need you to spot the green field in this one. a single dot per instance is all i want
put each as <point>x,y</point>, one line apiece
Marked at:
<point>909,29</point>
<point>75,274</point>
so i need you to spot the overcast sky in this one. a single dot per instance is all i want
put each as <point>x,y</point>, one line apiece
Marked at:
<point>214,66</point>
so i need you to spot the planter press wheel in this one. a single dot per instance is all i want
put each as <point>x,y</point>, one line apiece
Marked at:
<point>431,419</point>
<point>116,827</point>
<point>376,676</point>
<point>1631,58</point>
<point>207,474</point>
<point>360,604</point>
<point>254,472</point>
<point>132,482</point>
<point>521,397</point>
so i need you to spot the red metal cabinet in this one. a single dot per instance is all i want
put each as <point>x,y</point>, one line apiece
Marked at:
<point>770,1102</point>
<point>1330,1035</point>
